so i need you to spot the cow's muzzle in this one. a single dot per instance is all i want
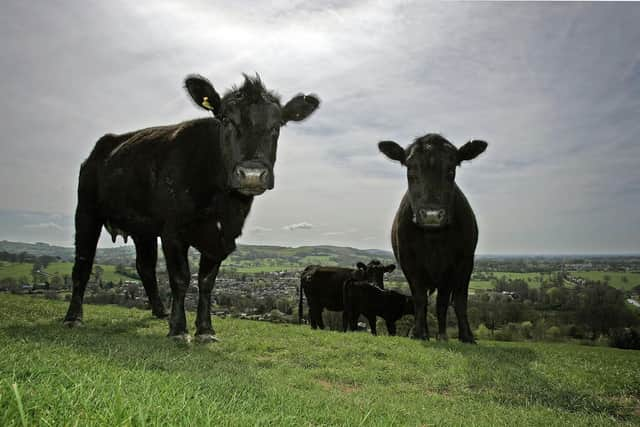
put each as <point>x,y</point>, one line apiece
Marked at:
<point>252,179</point>
<point>430,217</point>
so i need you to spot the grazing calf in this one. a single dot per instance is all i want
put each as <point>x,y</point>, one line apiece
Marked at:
<point>434,233</point>
<point>362,298</point>
<point>322,286</point>
<point>191,184</point>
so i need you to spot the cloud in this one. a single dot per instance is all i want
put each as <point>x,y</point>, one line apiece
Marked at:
<point>553,88</point>
<point>44,226</point>
<point>298,226</point>
<point>259,229</point>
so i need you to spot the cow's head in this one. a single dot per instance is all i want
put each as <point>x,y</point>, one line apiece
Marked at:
<point>374,272</point>
<point>251,117</point>
<point>431,163</point>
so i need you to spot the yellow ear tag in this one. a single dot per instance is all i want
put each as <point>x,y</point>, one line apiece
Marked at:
<point>205,103</point>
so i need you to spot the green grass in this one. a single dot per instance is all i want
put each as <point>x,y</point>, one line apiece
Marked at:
<point>120,369</point>
<point>616,278</point>
<point>14,269</point>
<point>17,270</point>
<point>481,284</point>
<point>532,279</point>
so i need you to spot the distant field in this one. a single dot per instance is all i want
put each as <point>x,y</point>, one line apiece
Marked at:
<point>532,279</point>
<point>120,369</point>
<point>17,270</point>
<point>13,269</point>
<point>616,278</point>
<point>481,284</point>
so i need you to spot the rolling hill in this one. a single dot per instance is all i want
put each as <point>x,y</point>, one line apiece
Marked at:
<point>120,369</point>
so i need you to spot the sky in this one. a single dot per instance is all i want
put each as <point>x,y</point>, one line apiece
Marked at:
<point>554,88</point>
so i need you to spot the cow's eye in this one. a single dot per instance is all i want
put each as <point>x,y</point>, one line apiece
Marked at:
<point>275,130</point>
<point>451,175</point>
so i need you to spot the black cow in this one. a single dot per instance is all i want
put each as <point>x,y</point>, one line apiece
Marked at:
<point>322,286</point>
<point>360,297</point>
<point>434,233</point>
<point>191,184</point>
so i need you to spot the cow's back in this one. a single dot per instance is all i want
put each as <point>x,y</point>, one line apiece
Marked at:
<point>143,179</point>
<point>323,285</point>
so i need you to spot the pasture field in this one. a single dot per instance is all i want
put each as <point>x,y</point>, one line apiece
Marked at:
<point>120,369</point>
<point>620,280</point>
<point>17,270</point>
<point>532,279</point>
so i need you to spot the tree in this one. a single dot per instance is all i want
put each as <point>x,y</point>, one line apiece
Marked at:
<point>56,282</point>
<point>35,272</point>
<point>97,273</point>
<point>603,308</point>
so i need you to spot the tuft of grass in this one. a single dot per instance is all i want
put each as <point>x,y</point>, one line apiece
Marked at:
<point>120,369</point>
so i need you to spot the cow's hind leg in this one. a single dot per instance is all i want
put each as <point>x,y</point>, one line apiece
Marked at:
<point>206,281</point>
<point>315,317</point>
<point>312,315</point>
<point>442,304</point>
<point>372,323</point>
<point>88,227</point>
<point>391,327</point>
<point>175,253</point>
<point>146,259</point>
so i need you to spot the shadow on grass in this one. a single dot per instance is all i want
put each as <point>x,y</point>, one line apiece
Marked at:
<point>508,375</point>
<point>136,344</point>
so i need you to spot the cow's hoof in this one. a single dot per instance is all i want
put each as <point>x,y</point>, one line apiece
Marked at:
<point>72,323</point>
<point>181,338</point>
<point>161,314</point>
<point>206,338</point>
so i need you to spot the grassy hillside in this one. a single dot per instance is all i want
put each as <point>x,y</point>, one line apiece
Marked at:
<point>120,369</point>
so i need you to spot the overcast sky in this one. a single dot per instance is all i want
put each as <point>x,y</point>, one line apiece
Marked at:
<point>553,88</point>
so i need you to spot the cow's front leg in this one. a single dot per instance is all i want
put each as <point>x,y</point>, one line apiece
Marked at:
<point>175,254</point>
<point>206,280</point>
<point>460,296</point>
<point>460,307</point>
<point>442,304</point>
<point>420,330</point>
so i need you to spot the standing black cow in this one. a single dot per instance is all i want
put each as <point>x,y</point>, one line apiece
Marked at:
<point>360,297</point>
<point>191,184</point>
<point>434,233</point>
<point>322,286</point>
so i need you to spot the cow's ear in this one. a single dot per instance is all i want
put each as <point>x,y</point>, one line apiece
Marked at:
<point>392,150</point>
<point>299,108</point>
<point>361,266</point>
<point>203,93</point>
<point>471,150</point>
<point>389,268</point>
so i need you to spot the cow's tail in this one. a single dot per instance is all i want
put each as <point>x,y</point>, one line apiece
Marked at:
<point>300,304</point>
<point>303,277</point>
